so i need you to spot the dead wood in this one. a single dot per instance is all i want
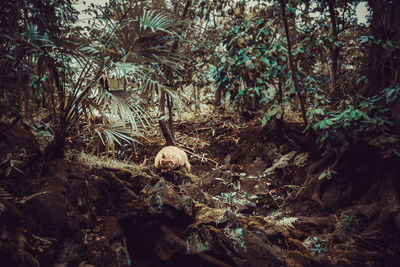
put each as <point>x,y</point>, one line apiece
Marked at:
<point>173,238</point>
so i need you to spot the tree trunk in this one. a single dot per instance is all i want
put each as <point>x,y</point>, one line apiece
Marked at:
<point>280,98</point>
<point>168,130</point>
<point>334,51</point>
<point>163,122</point>
<point>384,61</point>
<point>293,67</point>
<point>55,149</point>
<point>217,98</point>
<point>170,116</point>
<point>384,57</point>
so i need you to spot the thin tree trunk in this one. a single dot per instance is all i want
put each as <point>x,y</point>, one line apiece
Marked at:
<point>217,98</point>
<point>334,51</point>
<point>168,130</point>
<point>163,123</point>
<point>170,116</point>
<point>293,67</point>
<point>196,92</point>
<point>280,97</point>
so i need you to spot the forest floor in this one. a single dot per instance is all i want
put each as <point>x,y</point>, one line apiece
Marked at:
<point>254,197</point>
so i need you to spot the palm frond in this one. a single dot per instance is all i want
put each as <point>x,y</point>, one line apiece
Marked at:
<point>157,22</point>
<point>151,84</point>
<point>177,100</point>
<point>117,105</point>
<point>116,133</point>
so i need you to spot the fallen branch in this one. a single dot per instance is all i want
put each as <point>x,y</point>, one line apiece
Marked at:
<point>199,157</point>
<point>173,238</point>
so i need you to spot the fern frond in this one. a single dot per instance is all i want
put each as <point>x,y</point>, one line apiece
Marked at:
<point>276,217</point>
<point>288,222</point>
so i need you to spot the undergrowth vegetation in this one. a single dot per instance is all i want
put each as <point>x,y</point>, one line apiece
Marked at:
<point>109,79</point>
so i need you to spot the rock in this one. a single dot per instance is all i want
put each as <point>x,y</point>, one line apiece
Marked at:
<point>13,242</point>
<point>215,183</point>
<point>112,229</point>
<point>164,200</point>
<point>54,211</point>
<point>20,155</point>
<point>214,229</point>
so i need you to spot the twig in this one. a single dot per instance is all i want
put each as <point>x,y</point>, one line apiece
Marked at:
<point>25,199</point>
<point>46,241</point>
<point>269,192</point>
<point>198,156</point>
<point>361,238</point>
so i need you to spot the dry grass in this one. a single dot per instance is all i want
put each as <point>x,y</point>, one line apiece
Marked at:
<point>99,162</point>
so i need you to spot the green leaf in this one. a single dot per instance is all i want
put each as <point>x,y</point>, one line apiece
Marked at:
<point>396,152</point>
<point>360,79</point>
<point>279,112</point>
<point>265,60</point>
<point>266,119</point>
<point>11,57</point>
<point>319,111</point>
<point>166,117</point>
<point>322,176</point>
<point>365,116</point>
<point>364,39</point>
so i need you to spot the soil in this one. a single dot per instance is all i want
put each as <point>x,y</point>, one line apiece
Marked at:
<point>254,197</point>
